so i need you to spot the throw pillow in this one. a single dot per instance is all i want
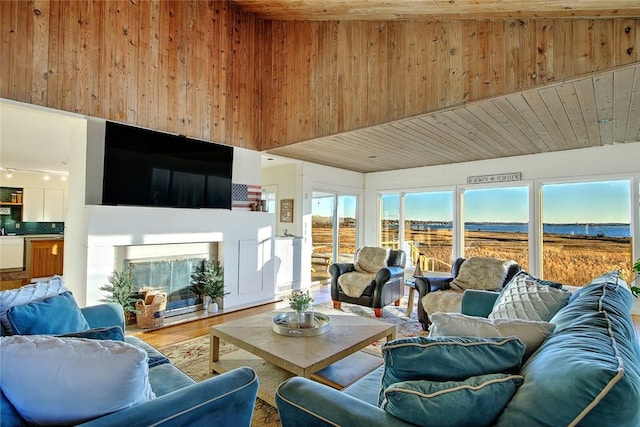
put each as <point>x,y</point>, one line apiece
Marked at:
<point>524,298</point>
<point>27,294</point>
<point>58,314</point>
<point>531,332</point>
<point>76,379</point>
<point>110,333</point>
<point>451,403</point>
<point>481,273</point>
<point>448,358</point>
<point>370,259</point>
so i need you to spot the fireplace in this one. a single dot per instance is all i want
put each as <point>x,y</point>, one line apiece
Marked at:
<point>168,268</point>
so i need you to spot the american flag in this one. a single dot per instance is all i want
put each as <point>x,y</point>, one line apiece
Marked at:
<point>243,195</point>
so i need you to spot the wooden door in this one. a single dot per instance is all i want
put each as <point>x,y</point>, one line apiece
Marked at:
<point>47,257</point>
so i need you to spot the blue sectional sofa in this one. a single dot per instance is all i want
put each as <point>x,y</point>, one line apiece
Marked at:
<point>224,400</point>
<point>587,372</point>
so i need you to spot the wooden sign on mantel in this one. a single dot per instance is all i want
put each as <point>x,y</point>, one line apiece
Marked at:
<point>499,177</point>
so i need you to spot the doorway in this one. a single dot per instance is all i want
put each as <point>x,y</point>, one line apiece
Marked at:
<point>333,232</point>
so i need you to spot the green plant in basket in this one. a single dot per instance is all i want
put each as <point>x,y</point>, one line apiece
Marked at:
<point>120,289</point>
<point>299,301</point>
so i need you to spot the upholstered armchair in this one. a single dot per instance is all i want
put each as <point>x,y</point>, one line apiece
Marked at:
<point>374,279</point>
<point>445,293</point>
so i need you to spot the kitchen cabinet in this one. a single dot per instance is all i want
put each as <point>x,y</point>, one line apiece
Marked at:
<point>43,205</point>
<point>45,257</point>
<point>11,252</point>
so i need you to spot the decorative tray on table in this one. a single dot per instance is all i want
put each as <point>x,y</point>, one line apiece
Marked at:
<point>281,326</point>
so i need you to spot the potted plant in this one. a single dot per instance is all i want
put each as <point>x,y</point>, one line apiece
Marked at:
<point>120,290</point>
<point>301,304</point>
<point>207,281</point>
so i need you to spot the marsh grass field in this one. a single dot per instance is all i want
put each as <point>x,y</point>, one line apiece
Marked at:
<point>572,260</point>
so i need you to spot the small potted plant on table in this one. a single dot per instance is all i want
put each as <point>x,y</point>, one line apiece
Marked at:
<point>302,315</point>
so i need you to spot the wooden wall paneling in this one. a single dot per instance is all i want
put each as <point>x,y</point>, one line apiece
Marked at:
<point>373,85</point>
<point>633,127</point>
<point>214,38</point>
<point>497,49</point>
<point>132,63</point>
<point>83,95</point>
<point>527,29</point>
<point>521,131</point>
<point>586,95</point>
<point>563,50</point>
<point>582,45</point>
<point>344,91</point>
<point>40,45</point>
<point>196,63</point>
<point>54,76</point>
<point>283,112</point>
<point>622,101</point>
<point>118,81</point>
<point>24,52</point>
<point>173,68</point>
<point>183,36</point>
<point>433,81</point>
<point>335,82</point>
<point>210,67</point>
<point>93,37</point>
<point>603,86</point>
<point>513,56</point>
<point>410,69</point>
<point>7,34</point>
<point>470,54</point>
<point>482,61</point>
<point>456,64</point>
<point>164,76</point>
<point>235,89</point>
<point>521,105</point>
<point>492,119</point>
<point>540,109</point>
<point>602,44</point>
<point>568,98</point>
<point>421,66</point>
<point>475,121</point>
<point>543,51</point>
<point>444,70</point>
<point>624,38</point>
<point>144,69</point>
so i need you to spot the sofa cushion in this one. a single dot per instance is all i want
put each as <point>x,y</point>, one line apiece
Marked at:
<point>451,403</point>
<point>525,298</point>
<point>110,333</point>
<point>481,273</point>
<point>58,314</point>
<point>27,294</point>
<point>588,371</point>
<point>531,332</point>
<point>76,379</point>
<point>448,358</point>
<point>155,357</point>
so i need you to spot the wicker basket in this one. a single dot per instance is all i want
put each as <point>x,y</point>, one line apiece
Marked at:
<point>149,315</point>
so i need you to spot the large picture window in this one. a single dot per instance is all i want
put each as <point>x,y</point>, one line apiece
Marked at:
<point>496,223</point>
<point>390,221</point>
<point>586,230</point>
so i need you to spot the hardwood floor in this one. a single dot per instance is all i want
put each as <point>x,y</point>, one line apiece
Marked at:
<point>184,331</point>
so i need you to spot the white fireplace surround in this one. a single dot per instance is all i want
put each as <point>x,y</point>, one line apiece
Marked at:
<point>244,240</point>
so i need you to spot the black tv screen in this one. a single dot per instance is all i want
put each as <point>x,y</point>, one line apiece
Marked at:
<point>149,168</point>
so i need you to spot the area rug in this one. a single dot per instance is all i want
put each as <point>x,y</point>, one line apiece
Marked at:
<point>192,356</point>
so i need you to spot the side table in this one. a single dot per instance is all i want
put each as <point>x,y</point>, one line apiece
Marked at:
<point>411,284</point>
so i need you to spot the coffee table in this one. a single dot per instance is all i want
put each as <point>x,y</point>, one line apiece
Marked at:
<point>302,356</point>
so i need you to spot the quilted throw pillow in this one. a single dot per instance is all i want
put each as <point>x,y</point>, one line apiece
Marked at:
<point>27,294</point>
<point>527,299</point>
<point>481,273</point>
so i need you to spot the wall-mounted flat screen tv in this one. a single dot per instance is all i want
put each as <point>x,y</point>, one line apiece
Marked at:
<point>149,168</point>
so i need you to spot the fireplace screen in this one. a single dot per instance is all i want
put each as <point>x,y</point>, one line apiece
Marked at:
<point>171,276</point>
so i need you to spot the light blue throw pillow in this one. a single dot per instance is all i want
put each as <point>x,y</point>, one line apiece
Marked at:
<point>448,358</point>
<point>55,315</point>
<point>476,401</point>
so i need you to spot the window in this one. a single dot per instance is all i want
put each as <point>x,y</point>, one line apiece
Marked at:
<point>586,230</point>
<point>428,219</point>
<point>389,221</point>
<point>496,223</point>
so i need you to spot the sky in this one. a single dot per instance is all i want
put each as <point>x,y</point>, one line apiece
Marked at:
<point>593,202</point>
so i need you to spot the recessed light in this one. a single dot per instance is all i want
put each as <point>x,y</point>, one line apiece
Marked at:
<point>372,157</point>
<point>46,177</point>
<point>604,121</point>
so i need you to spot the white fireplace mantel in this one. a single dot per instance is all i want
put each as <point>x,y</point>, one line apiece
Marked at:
<point>245,242</point>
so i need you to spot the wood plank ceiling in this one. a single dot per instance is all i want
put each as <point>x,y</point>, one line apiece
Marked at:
<point>598,109</point>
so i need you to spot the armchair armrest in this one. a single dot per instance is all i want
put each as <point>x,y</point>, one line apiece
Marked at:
<point>387,273</point>
<point>224,400</point>
<point>104,315</point>
<point>426,284</point>
<point>478,302</point>
<point>303,402</point>
<point>338,268</point>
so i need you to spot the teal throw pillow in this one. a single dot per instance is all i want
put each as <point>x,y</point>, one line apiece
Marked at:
<point>55,315</point>
<point>110,333</point>
<point>476,401</point>
<point>449,358</point>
